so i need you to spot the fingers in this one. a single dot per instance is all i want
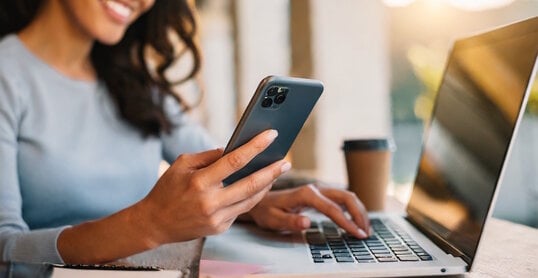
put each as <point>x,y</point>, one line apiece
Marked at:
<point>244,205</point>
<point>254,183</point>
<point>353,205</point>
<point>200,160</point>
<point>238,158</point>
<point>313,198</point>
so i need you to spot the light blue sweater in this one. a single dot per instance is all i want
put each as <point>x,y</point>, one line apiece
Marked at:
<point>66,156</point>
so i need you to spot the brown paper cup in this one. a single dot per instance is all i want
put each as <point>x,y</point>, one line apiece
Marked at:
<point>368,168</point>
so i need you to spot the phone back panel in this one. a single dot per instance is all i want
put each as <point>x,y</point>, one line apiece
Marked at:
<point>287,118</point>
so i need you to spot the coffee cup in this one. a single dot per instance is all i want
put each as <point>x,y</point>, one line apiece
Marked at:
<point>368,163</point>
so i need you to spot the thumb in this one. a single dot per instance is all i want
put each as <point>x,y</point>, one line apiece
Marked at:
<point>290,221</point>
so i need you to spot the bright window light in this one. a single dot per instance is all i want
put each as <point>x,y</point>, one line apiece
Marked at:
<point>397,3</point>
<point>479,5</point>
<point>468,5</point>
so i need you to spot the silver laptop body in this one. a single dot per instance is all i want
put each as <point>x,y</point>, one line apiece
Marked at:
<point>479,105</point>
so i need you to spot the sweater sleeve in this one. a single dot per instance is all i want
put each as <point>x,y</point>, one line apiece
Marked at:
<point>17,242</point>
<point>186,136</point>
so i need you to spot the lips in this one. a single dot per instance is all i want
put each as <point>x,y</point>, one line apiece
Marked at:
<point>118,11</point>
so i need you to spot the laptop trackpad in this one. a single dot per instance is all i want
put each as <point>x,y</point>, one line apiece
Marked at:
<point>248,243</point>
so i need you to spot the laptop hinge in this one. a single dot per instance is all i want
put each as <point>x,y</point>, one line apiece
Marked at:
<point>441,242</point>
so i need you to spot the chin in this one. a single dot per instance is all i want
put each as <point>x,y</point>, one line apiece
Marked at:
<point>111,38</point>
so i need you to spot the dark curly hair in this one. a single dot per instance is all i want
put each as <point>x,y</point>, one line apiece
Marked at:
<point>138,91</point>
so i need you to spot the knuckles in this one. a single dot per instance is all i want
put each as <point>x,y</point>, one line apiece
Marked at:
<point>183,159</point>
<point>207,207</point>
<point>335,209</point>
<point>235,160</point>
<point>197,182</point>
<point>350,195</point>
<point>309,190</point>
<point>213,224</point>
<point>251,185</point>
<point>259,145</point>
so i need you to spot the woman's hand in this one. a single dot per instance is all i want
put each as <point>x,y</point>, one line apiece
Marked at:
<point>279,210</point>
<point>189,201</point>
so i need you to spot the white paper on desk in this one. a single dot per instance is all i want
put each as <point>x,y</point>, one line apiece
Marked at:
<point>61,272</point>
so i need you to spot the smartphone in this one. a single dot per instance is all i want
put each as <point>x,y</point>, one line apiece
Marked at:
<point>280,103</point>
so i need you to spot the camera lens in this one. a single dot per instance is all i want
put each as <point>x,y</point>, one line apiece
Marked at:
<point>267,102</point>
<point>280,98</point>
<point>272,91</point>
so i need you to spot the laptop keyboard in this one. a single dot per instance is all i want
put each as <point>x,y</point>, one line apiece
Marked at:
<point>389,243</point>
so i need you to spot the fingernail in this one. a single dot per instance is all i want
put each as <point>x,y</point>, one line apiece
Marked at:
<point>305,222</point>
<point>362,234</point>
<point>285,167</point>
<point>272,134</point>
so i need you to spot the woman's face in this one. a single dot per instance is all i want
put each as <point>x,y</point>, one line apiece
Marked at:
<point>105,20</point>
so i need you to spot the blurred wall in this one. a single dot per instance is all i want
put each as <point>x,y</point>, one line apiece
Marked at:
<point>350,48</point>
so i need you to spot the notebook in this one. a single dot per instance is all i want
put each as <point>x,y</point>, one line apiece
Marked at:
<point>477,110</point>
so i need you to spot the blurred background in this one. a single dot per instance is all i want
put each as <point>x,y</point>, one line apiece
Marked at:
<point>381,63</point>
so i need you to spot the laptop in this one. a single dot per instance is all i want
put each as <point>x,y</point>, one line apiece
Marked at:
<point>477,110</point>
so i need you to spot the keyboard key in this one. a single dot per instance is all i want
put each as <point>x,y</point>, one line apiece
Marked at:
<point>336,244</point>
<point>328,224</point>
<point>325,248</point>
<point>408,258</point>
<point>380,248</point>
<point>373,244</point>
<point>361,253</point>
<point>403,253</point>
<point>327,256</point>
<point>402,248</point>
<point>387,260</point>
<point>345,260</point>
<point>330,231</point>
<point>366,261</point>
<point>426,258</point>
<point>319,261</point>
<point>376,252</point>
<point>355,245</point>
<point>364,257</point>
<point>383,255</point>
<point>342,255</point>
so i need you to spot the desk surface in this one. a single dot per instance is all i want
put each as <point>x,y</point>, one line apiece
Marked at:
<point>508,249</point>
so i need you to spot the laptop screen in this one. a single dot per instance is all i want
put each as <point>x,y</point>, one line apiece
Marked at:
<point>476,110</point>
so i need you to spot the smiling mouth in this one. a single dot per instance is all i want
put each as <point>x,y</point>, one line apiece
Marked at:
<point>119,11</point>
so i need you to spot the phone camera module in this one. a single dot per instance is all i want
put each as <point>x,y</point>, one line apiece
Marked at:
<point>267,102</point>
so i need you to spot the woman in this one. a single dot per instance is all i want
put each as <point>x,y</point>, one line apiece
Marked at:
<point>84,123</point>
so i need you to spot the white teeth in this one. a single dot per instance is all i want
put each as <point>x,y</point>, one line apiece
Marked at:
<point>119,8</point>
